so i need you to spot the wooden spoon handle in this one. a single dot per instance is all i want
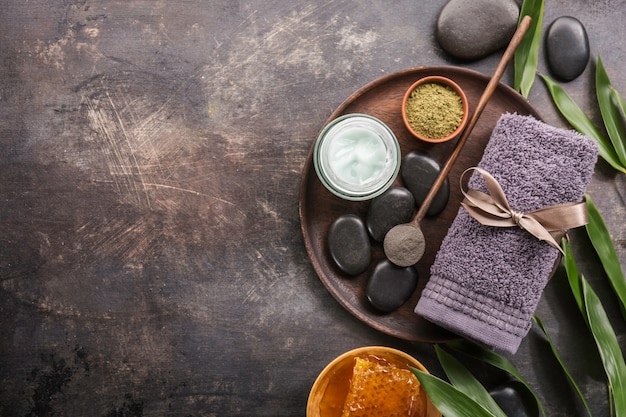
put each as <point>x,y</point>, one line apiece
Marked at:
<point>522,28</point>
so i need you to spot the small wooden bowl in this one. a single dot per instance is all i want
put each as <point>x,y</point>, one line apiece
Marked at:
<point>436,79</point>
<point>340,368</point>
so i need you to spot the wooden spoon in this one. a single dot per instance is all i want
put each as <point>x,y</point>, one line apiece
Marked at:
<point>404,244</point>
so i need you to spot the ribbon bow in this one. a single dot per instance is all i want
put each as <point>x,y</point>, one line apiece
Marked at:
<point>545,223</point>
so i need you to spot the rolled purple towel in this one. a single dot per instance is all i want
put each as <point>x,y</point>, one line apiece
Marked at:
<point>486,281</point>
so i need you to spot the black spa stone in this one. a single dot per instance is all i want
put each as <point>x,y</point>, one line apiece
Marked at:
<point>567,48</point>
<point>515,400</point>
<point>349,244</point>
<point>419,172</point>
<point>390,286</point>
<point>470,30</point>
<point>395,206</point>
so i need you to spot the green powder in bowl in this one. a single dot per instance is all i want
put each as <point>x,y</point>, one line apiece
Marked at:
<point>435,109</point>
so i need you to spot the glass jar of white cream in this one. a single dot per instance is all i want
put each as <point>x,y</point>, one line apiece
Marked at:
<point>357,157</point>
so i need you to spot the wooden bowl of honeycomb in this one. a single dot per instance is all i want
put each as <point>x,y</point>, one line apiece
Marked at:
<point>372,381</point>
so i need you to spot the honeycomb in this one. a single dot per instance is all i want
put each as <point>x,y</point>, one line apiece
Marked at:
<point>381,389</point>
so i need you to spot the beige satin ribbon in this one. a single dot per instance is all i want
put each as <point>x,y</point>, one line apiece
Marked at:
<point>547,224</point>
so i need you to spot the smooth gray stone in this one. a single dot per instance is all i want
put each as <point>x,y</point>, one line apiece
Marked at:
<point>395,206</point>
<point>390,286</point>
<point>419,172</point>
<point>470,30</point>
<point>349,244</point>
<point>567,48</point>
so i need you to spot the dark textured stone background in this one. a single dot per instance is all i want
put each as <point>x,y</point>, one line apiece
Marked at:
<point>151,261</point>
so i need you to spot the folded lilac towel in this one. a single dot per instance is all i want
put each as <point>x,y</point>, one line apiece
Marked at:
<point>486,281</point>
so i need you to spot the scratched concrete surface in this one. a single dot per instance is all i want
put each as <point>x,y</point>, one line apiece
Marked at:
<point>151,261</point>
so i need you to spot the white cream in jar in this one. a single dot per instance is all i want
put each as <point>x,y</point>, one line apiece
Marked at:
<point>357,157</point>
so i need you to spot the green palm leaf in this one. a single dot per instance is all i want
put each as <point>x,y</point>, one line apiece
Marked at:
<point>450,401</point>
<point>603,334</point>
<point>608,346</point>
<point>602,243</point>
<point>498,361</point>
<point>610,108</point>
<point>560,361</point>
<point>579,121</point>
<point>464,381</point>
<point>527,54</point>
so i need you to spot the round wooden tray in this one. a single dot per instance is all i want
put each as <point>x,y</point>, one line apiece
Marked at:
<point>318,208</point>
